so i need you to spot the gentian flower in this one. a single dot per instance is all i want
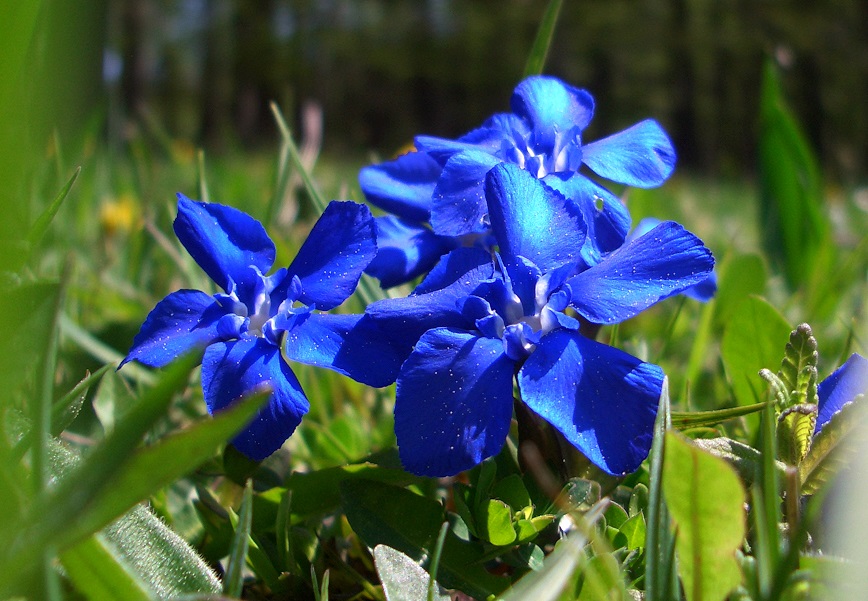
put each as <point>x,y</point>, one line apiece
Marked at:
<point>841,387</point>
<point>479,320</point>
<point>243,329</point>
<point>442,182</point>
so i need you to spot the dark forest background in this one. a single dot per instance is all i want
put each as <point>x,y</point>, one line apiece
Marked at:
<point>384,70</point>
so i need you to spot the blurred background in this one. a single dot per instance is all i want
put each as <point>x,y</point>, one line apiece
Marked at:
<point>203,72</point>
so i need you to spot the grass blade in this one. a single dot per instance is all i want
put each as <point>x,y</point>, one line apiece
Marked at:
<point>234,581</point>
<point>37,231</point>
<point>540,49</point>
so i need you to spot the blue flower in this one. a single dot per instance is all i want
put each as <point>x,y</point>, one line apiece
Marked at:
<point>840,388</point>
<point>442,183</point>
<point>243,329</point>
<point>479,320</point>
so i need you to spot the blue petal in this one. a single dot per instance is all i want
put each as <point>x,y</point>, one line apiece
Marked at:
<point>232,370</point>
<point>442,149</point>
<point>551,107</point>
<point>607,219</point>
<point>705,290</point>
<point>841,387</point>
<point>405,251</point>
<point>352,345</point>
<point>531,220</point>
<point>336,252</point>
<point>641,155</point>
<point>663,262</point>
<point>601,399</point>
<point>403,186</point>
<point>464,267</point>
<point>453,403</point>
<point>184,321</point>
<point>459,201</point>
<point>224,241</point>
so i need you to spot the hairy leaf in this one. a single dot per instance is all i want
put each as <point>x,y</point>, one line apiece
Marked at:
<point>834,445</point>
<point>403,579</point>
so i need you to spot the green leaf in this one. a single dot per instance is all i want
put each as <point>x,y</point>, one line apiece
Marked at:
<point>512,491</point>
<point>24,339</point>
<point>633,531</point>
<point>402,578</point>
<point>660,579</point>
<point>746,460</point>
<point>112,399</point>
<point>799,366</point>
<point>834,445</point>
<point>234,579</point>
<point>158,465</point>
<point>706,500</point>
<point>695,419</point>
<point>537,58</point>
<point>388,515</point>
<point>317,493</point>
<point>794,433</point>
<point>559,569</point>
<point>37,231</point>
<point>740,276</point>
<point>795,229</point>
<point>66,409</point>
<point>97,572</point>
<point>496,518</point>
<point>602,579</point>
<point>752,341</point>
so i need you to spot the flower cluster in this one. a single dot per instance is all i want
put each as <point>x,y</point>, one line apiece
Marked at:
<point>522,252</point>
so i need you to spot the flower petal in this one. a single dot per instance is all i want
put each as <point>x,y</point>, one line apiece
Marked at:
<point>459,207</point>
<point>453,403</point>
<point>184,321</point>
<point>607,219</point>
<point>405,251</point>
<point>641,155</point>
<point>487,138</point>
<point>336,252</point>
<point>531,220</point>
<point>551,107</point>
<point>601,399</point>
<point>663,262</point>
<point>231,370</point>
<point>402,186</point>
<point>352,345</point>
<point>224,241</point>
<point>464,267</point>
<point>841,387</point>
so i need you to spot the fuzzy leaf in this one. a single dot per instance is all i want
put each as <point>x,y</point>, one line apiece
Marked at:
<point>706,500</point>
<point>799,366</point>
<point>99,574</point>
<point>744,458</point>
<point>834,445</point>
<point>403,579</point>
<point>795,431</point>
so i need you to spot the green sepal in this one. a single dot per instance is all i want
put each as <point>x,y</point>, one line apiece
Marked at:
<point>799,366</point>
<point>833,445</point>
<point>795,431</point>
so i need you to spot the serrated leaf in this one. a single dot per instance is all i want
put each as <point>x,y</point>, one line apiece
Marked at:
<point>393,516</point>
<point>795,431</point>
<point>833,445</point>
<point>706,500</point>
<point>799,366</point>
<point>402,578</point>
